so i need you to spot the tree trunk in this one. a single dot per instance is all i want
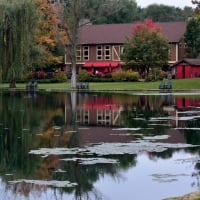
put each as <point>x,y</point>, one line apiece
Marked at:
<point>12,84</point>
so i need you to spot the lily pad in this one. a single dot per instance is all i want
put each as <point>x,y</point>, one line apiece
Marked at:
<point>53,183</point>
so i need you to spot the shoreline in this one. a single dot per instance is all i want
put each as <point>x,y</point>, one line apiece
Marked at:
<point>191,196</point>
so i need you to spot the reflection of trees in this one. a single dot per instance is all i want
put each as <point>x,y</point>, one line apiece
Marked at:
<point>146,108</point>
<point>87,175</point>
<point>192,136</point>
<point>15,137</point>
<point>22,117</point>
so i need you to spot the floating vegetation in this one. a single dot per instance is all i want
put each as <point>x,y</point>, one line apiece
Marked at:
<point>163,178</point>
<point>157,137</point>
<point>92,161</point>
<point>25,129</point>
<point>160,125</point>
<point>157,119</point>
<point>129,129</point>
<point>60,171</point>
<point>57,127</point>
<point>188,160</point>
<point>54,183</point>
<point>140,119</point>
<point>185,128</point>
<point>112,149</point>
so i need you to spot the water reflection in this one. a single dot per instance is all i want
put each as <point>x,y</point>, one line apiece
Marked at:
<point>77,145</point>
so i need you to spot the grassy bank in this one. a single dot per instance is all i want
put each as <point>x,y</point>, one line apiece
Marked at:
<point>182,84</point>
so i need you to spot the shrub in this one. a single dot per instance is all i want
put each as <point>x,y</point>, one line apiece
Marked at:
<point>125,76</point>
<point>28,76</point>
<point>60,77</point>
<point>119,75</point>
<point>83,76</point>
<point>132,76</point>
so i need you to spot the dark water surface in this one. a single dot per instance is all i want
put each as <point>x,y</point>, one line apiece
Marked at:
<point>58,146</point>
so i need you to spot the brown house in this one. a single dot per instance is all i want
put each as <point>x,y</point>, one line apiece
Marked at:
<point>187,68</point>
<point>100,46</point>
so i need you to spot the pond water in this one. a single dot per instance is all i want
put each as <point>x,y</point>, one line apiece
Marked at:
<point>98,145</point>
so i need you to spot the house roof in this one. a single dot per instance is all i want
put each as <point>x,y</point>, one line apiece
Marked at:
<point>118,33</point>
<point>189,61</point>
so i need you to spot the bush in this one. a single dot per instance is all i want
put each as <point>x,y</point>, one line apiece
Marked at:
<point>125,76</point>
<point>132,76</point>
<point>60,77</point>
<point>83,76</point>
<point>119,75</point>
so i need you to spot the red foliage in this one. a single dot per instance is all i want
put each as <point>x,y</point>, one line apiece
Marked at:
<point>148,25</point>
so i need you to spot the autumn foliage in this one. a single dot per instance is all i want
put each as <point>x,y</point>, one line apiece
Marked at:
<point>147,26</point>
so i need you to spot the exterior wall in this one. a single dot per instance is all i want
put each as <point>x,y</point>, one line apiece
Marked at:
<point>195,71</point>
<point>173,53</point>
<point>181,50</point>
<point>114,53</point>
<point>184,71</point>
<point>176,53</point>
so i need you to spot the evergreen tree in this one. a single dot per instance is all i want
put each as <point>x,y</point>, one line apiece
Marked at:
<point>192,38</point>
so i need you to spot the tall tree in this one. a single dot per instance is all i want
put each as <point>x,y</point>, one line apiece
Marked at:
<point>48,35</point>
<point>192,38</point>
<point>17,24</point>
<point>147,48</point>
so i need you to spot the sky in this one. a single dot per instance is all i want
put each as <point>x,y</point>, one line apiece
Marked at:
<point>176,3</point>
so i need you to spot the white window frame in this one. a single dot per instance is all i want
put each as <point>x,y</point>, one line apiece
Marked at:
<point>86,53</point>
<point>107,52</point>
<point>99,52</point>
<point>78,53</point>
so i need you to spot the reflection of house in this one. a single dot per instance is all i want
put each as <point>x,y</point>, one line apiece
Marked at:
<point>185,109</point>
<point>100,46</point>
<point>187,68</point>
<point>99,111</point>
<point>95,134</point>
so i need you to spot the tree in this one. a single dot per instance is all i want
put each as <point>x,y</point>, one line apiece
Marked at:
<point>147,48</point>
<point>48,35</point>
<point>71,13</point>
<point>192,38</point>
<point>17,25</point>
<point>163,13</point>
<point>126,14</point>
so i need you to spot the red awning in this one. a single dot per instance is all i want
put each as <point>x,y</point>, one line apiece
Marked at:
<point>102,64</point>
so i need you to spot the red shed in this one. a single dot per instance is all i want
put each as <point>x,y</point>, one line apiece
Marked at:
<point>187,68</point>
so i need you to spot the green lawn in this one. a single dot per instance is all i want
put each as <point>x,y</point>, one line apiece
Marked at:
<point>182,84</point>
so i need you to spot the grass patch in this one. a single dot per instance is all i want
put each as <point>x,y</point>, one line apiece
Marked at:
<point>181,84</point>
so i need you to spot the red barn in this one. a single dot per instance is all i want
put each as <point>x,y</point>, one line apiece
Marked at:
<point>187,68</point>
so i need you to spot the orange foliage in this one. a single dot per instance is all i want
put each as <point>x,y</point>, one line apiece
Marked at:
<point>49,32</point>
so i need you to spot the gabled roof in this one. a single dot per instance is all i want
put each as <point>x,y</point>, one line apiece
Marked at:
<point>188,61</point>
<point>118,33</point>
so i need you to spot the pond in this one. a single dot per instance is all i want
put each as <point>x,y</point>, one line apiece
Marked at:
<point>107,146</point>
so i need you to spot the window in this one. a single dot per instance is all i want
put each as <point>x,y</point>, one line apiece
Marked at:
<point>107,54</point>
<point>99,53</point>
<point>86,53</point>
<point>121,50</point>
<point>78,53</point>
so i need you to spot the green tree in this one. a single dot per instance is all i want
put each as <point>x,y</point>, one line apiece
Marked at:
<point>17,25</point>
<point>192,38</point>
<point>127,13</point>
<point>147,48</point>
<point>163,13</point>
